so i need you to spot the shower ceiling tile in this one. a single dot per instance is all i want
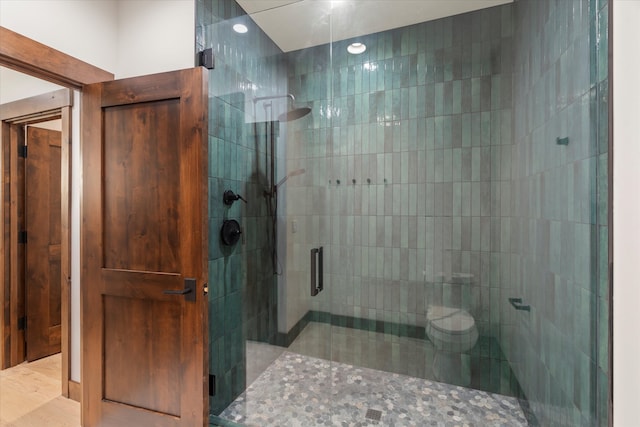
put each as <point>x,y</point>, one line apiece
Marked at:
<point>299,24</point>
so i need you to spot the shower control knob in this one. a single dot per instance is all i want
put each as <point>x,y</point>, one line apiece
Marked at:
<point>230,232</point>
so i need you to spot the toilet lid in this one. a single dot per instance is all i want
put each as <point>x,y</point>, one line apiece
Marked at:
<point>450,320</point>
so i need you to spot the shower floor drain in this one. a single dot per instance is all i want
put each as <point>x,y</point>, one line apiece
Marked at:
<point>373,414</point>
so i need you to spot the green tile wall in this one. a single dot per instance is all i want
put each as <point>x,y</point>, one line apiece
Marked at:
<point>242,288</point>
<point>442,157</point>
<point>416,142</point>
<point>558,254</point>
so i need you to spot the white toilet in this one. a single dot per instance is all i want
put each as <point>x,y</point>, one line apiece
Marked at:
<point>453,332</point>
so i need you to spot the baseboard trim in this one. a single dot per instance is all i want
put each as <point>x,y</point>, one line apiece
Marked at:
<point>75,391</point>
<point>381,326</point>
<point>285,339</point>
<point>397,329</point>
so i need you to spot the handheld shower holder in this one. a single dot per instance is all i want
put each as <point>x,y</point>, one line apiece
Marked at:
<point>229,197</point>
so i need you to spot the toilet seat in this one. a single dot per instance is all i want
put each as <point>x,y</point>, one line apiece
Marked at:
<point>454,321</point>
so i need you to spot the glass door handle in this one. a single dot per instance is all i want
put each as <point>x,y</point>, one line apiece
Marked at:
<point>320,270</point>
<point>317,283</point>
<point>314,287</point>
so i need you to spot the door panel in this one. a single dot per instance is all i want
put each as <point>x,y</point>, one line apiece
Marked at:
<point>144,209</point>
<point>140,166</point>
<point>152,382</point>
<point>42,212</point>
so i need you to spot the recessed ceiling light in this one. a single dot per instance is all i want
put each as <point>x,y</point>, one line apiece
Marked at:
<point>240,28</point>
<point>356,48</point>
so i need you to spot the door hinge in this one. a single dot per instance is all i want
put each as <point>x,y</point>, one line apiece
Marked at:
<point>22,151</point>
<point>22,324</point>
<point>207,59</point>
<point>212,385</point>
<point>22,237</point>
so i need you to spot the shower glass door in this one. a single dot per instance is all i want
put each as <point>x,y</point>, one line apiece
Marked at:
<point>305,232</point>
<point>388,238</point>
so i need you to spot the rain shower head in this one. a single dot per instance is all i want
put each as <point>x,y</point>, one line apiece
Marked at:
<point>294,114</point>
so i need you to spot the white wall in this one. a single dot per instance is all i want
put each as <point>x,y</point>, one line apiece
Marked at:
<point>626,212</point>
<point>127,38</point>
<point>15,85</point>
<point>84,29</point>
<point>155,36</point>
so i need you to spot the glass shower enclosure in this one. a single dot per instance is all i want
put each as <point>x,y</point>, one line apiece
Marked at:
<point>423,224</point>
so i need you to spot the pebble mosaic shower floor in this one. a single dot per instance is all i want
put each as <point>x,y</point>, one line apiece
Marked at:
<point>303,391</point>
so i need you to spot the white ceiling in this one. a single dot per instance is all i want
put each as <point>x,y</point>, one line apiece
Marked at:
<point>298,24</point>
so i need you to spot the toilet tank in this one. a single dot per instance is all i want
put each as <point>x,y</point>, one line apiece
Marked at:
<point>452,290</point>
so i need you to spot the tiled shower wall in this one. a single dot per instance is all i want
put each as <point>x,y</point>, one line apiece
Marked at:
<point>556,258</point>
<point>406,154</point>
<point>242,289</point>
<point>423,163</point>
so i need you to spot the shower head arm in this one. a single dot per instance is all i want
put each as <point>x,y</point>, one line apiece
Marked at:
<point>264,98</point>
<point>289,175</point>
<point>274,189</point>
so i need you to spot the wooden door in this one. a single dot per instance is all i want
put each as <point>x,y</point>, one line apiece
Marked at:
<point>42,214</point>
<point>144,208</point>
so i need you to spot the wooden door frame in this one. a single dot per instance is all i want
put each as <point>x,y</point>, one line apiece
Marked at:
<point>30,57</point>
<point>29,111</point>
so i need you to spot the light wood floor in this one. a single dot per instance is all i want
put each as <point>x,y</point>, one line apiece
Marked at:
<point>30,396</point>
